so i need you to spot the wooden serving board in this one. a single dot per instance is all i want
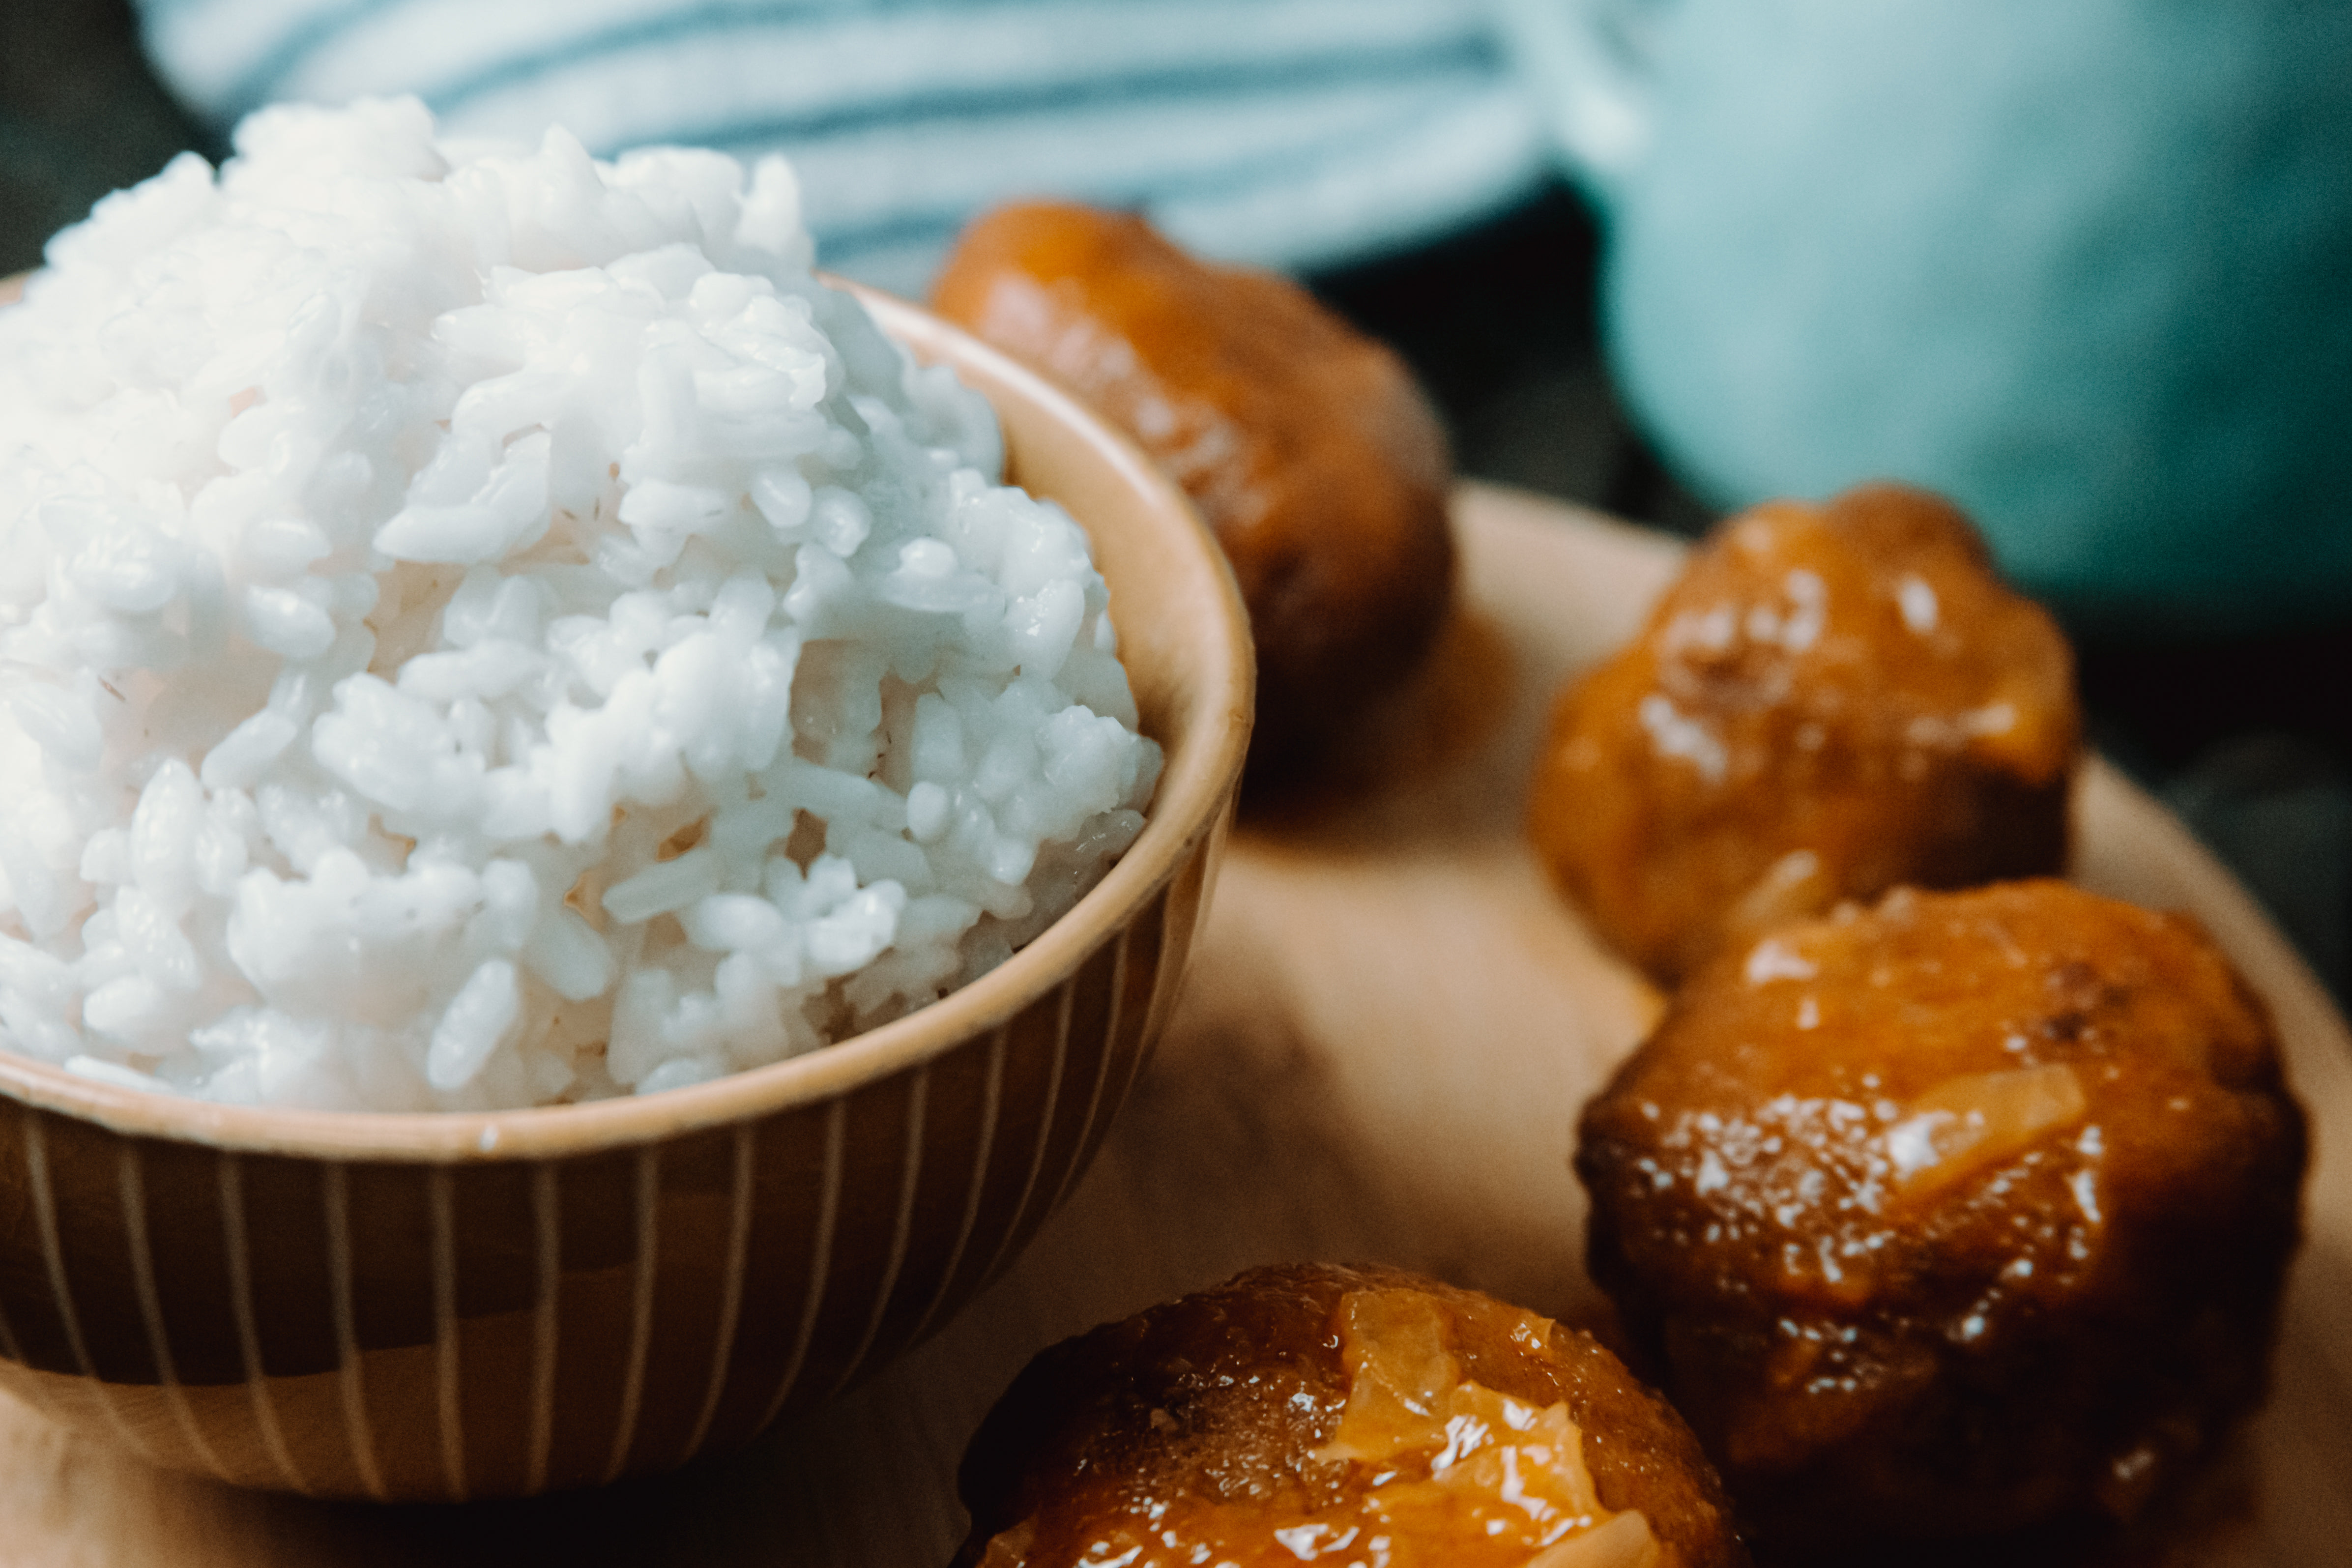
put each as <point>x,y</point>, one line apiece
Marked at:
<point>1392,1023</point>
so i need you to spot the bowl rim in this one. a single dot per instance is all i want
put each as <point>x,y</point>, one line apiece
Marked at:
<point>1193,794</point>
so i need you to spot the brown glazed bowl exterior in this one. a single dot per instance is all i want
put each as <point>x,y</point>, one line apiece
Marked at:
<point>452,1306</point>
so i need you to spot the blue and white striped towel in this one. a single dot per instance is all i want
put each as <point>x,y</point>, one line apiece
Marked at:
<point>1292,133</point>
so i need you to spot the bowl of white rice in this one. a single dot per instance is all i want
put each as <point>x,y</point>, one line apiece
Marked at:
<point>596,827</point>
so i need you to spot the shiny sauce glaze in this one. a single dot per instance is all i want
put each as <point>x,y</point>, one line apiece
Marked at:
<point>1954,1215</point>
<point>1356,1420</point>
<point>1307,448</point>
<point>1829,701</point>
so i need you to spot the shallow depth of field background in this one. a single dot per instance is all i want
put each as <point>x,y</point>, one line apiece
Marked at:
<point>2249,738</point>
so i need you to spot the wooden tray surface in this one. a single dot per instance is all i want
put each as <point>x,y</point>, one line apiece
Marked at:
<point>1390,1026</point>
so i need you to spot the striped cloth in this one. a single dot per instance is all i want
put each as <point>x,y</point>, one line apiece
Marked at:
<point>1292,133</point>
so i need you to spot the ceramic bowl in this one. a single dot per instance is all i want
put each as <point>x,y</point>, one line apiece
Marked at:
<point>453,1306</point>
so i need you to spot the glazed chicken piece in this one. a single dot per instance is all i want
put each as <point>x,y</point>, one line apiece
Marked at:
<point>1307,446</point>
<point>1360,1416</point>
<point>1965,1214</point>
<point>1830,702</point>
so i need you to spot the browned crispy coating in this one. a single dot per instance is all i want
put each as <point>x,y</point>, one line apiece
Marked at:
<point>1196,1425</point>
<point>1831,700</point>
<point>1308,449</point>
<point>1961,1216</point>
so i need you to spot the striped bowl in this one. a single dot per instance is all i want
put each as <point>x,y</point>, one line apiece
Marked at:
<point>451,1306</point>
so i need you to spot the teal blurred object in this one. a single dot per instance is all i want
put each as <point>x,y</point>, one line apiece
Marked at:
<point>2084,265</point>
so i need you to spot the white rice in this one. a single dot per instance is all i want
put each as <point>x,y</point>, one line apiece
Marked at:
<point>480,627</point>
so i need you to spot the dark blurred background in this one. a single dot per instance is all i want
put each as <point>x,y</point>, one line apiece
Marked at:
<point>2248,739</point>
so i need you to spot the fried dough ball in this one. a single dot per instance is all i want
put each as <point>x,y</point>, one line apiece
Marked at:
<point>1966,1215</point>
<point>1307,448</point>
<point>1364,1415</point>
<point>1830,702</point>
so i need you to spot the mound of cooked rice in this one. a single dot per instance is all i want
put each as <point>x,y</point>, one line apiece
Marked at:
<point>482,626</point>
